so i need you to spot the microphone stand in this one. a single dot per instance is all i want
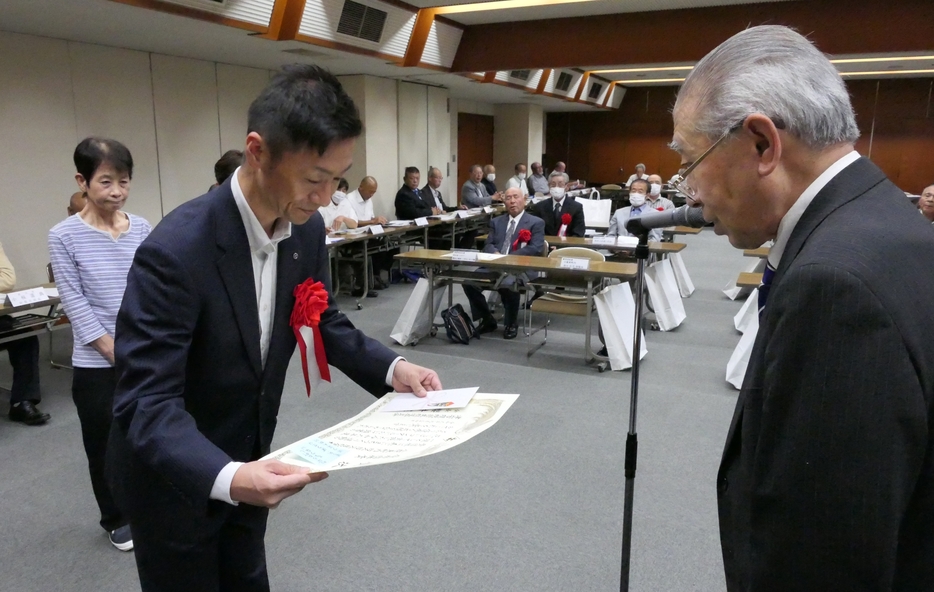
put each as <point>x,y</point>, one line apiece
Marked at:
<point>632,441</point>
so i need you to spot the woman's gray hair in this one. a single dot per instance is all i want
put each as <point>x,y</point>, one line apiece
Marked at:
<point>775,71</point>
<point>558,174</point>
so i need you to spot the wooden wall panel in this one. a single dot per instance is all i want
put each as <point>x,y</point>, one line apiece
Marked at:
<point>474,144</point>
<point>595,146</point>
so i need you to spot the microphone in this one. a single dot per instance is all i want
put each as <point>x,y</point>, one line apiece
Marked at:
<point>683,216</point>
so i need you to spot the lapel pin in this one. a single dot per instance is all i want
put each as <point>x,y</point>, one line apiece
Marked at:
<point>295,256</point>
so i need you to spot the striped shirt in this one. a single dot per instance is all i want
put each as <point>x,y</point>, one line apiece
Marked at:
<point>90,268</point>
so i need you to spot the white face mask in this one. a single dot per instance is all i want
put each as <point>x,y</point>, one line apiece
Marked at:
<point>636,199</point>
<point>655,189</point>
<point>491,177</point>
<point>521,176</point>
<point>556,192</point>
<point>338,197</point>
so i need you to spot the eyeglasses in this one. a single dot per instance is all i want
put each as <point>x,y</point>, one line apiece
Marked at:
<point>679,181</point>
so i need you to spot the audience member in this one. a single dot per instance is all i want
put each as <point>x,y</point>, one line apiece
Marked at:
<point>77,202</point>
<point>538,183</point>
<point>560,167</point>
<point>91,254</point>
<point>637,206</point>
<point>339,214</point>
<point>24,358</point>
<point>440,236</point>
<point>360,198</point>
<point>518,180</point>
<point>654,198</point>
<point>559,208</point>
<point>926,203</point>
<point>639,174</point>
<point>410,202</point>
<point>489,178</point>
<point>226,165</point>
<point>505,236</point>
<point>677,175</point>
<point>203,366</point>
<point>474,193</point>
<point>431,192</point>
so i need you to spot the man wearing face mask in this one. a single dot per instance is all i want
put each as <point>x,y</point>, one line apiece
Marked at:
<point>552,210</point>
<point>538,183</point>
<point>518,180</point>
<point>474,193</point>
<point>637,206</point>
<point>654,199</point>
<point>489,178</point>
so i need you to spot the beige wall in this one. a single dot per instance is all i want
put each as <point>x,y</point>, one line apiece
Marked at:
<point>175,115</point>
<point>517,137</point>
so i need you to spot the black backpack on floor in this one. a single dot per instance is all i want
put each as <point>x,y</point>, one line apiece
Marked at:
<point>458,325</point>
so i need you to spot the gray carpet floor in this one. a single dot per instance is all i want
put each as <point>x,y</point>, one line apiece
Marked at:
<point>534,503</point>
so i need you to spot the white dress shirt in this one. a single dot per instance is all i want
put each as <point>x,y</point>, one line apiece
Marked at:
<point>793,215</point>
<point>437,195</point>
<point>333,210</point>
<point>633,177</point>
<point>264,254</point>
<point>515,181</point>
<point>363,207</point>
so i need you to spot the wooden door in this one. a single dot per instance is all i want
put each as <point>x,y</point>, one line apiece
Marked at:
<point>474,144</point>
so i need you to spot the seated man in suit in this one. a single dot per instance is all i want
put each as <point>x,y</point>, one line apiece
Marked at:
<point>504,238</point>
<point>474,193</point>
<point>489,178</point>
<point>410,202</point>
<point>439,237</point>
<point>637,206</point>
<point>654,199</point>
<point>431,192</point>
<point>537,182</point>
<point>204,339</point>
<point>553,210</point>
<point>24,357</point>
<point>926,203</point>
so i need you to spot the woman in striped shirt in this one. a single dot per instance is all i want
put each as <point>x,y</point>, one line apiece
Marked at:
<point>91,253</point>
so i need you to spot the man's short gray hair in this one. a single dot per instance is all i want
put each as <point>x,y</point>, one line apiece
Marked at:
<point>775,71</point>
<point>559,174</point>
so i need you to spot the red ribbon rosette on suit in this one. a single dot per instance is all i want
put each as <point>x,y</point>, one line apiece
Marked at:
<point>565,222</point>
<point>311,299</point>
<point>524,237</point>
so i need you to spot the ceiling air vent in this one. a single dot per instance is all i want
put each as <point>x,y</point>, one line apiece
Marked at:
<point>520,74</point>
<point>564,82</point>
<point>595,91</point>
<point>361,21</point>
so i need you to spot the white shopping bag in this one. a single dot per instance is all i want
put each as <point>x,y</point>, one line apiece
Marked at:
<point>736,367</point>
<point>685,285</point>
<point>414,323</point>
<point>750,309</point>
<point>666,299</point>
<point>733,291</point>
<point>617,310</point>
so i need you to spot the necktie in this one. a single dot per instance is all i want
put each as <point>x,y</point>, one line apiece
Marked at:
<point>507,242</point>
<point>558,212</point>
<point>765,286</point>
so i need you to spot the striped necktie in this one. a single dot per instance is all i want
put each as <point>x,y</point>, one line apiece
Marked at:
<point>765,286</point>
<point>507,242</point>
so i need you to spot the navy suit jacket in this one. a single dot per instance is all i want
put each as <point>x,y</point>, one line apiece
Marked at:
<point>545,210</point>
<point>827,476</point>
<point>499,226</point>
<point>192,394</point>
<point>411,205</point>
<point>429,198</point>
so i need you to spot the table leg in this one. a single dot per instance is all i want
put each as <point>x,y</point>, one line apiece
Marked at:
<point>587,355</point>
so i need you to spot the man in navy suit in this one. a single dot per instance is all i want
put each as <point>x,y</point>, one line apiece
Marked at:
<point>410,202</point>
<point>503,238</point>
<point>203,342</point>
<point>552,210</point>
<point>827,475</point>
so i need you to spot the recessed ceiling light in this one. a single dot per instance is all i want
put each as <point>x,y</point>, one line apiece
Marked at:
<point>881,72</point>
<point>872,60</point>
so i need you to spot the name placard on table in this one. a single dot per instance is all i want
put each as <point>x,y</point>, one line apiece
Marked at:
<point>376,229</point>
<point>574,263</point>
<point>423,221</point>
<point>24,297</point>
<point>463,214</point>
<point>466,256</point>
<point>487,209</point>
<point>604,240</point>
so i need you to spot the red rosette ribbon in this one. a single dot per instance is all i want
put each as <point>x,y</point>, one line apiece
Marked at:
<point>524,237</point>
<point>311,299</point>
<point>565,220</point>
<point>660,209</point>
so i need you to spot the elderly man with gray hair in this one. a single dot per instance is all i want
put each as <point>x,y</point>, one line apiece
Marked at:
<point>827,477</point>
<point>639,174</point>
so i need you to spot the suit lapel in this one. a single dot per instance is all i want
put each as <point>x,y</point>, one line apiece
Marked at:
<point>235,266</point>
<point>288,276</point>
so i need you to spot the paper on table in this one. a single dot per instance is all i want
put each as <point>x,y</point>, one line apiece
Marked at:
<point>373,438</point>
<point>330,241</point>
<point>480,256</point>
<point>51,292</point>
<point>447,399</point>
<point>627,241</point>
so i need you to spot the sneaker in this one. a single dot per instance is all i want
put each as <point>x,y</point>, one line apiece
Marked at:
<point>121,538</point>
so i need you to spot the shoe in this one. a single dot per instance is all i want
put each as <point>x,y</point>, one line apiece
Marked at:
<point>487,325</point>
<point>358,292</point>
<point>27,413</point>
<point>603,352</point>
<point>510,332</point>
<point>379,284</point>
<point>121,538</point>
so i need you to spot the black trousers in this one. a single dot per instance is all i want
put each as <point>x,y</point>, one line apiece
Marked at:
<point>479,309</point>
<point>93,392</point>
<point>199,555</point>
<point>24,358</point>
